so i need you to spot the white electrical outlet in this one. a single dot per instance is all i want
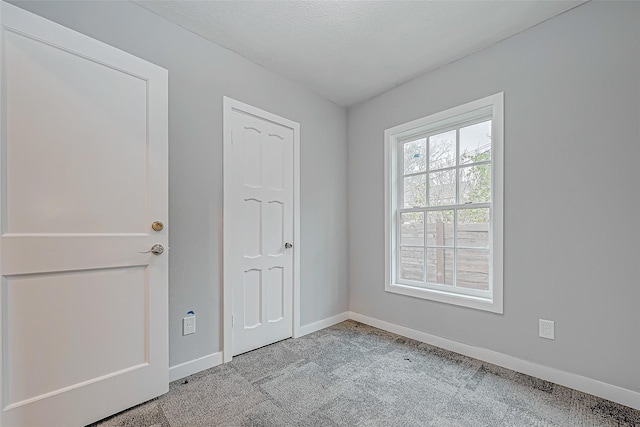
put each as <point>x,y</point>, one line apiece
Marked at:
<point>189,325</point>
<point>547,329</point>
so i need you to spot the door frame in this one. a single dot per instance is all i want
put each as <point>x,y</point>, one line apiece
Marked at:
<point>230,105</point>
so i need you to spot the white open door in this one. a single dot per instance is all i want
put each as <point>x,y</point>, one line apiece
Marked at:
<point>83,176</point>
<point>260,227</point>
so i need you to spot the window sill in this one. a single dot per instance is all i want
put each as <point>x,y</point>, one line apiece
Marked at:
<point>478,303</point>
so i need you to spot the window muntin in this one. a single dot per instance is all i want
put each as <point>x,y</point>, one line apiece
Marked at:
<point>441,222</point>
<point>446,176</point>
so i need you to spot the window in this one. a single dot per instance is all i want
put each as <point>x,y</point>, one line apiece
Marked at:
<point>444,207</point>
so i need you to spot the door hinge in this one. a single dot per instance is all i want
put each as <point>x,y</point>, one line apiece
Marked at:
<point>232,321</point>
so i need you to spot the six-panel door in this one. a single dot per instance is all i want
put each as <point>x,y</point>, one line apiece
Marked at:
<point>262,199</point>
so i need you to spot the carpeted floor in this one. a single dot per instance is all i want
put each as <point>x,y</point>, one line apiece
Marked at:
<point>355,375</point>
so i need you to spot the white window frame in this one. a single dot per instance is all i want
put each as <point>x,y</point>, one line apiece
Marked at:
<point>490,107</point>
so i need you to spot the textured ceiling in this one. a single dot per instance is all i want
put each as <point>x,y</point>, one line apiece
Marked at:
<point>350,51</point>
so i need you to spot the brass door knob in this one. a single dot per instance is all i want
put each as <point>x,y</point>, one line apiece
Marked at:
<point>157,226</point>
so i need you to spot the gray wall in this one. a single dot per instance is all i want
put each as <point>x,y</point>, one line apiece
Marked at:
<point>572,147</point>
<point>572,194</point>
<point>200,73</point>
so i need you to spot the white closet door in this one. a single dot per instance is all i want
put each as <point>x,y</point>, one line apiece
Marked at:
<point>259,225</point>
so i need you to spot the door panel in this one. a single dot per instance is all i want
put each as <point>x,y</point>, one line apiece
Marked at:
<point>44,365</point>
<point>274,157</point>
<point>251,294</point>
<point>251,151</point>
<point>274,234</point>
<point>252,228</point>
<point>276,292</point>
<point>90,143</point>
<point>84,174</point>
<point>259,210</point>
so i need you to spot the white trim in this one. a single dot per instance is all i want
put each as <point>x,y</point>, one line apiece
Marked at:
<point>214,359</point>
<point>324,323</point>
<point>587,385</point>
<point>194,366</point>
<point>227,296</point>
<point>230,104</point>
<point>296,230</point>
<point>392,136</point>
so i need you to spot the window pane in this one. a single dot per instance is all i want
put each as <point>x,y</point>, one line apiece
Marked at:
<point>415,191</point>
<point>412,228</point>
<point>475,143</point>
<point>442,150</point>
<point>412,264</point>
<point>415,156</point>
<point>440,228</point>
<point>442,188</point>
<point>440,266</point>
<point>473,227</point>
<point>475,184</point>
<point>473,269</point>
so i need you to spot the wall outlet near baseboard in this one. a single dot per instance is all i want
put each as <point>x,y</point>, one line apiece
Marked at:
<point>547,329</point>
<point>189,325</point>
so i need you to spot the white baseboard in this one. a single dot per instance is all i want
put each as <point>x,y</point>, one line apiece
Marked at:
<point>194,366</point>
<point>587,385</point>
<point>321,324</point>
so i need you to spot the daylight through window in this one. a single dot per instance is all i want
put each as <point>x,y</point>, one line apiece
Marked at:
<point>444,206</point>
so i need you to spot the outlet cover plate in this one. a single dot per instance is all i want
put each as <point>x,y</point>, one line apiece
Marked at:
<point>189,325</point>
<point>547,329</point>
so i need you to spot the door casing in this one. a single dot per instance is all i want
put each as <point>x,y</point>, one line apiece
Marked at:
<point>230,105</point>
